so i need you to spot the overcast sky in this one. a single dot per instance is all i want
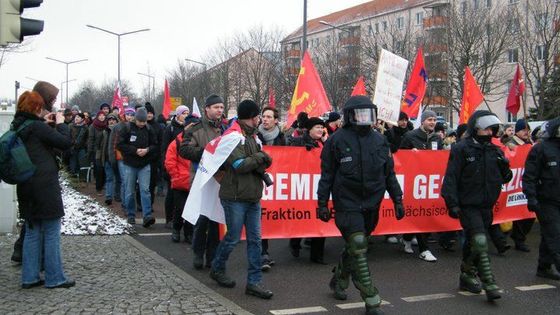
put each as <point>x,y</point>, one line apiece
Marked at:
<point>178,29</point>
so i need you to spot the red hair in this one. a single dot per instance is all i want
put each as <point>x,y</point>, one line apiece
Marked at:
<point>30,102</point>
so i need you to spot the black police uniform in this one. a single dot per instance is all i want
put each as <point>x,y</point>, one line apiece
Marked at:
<point>475,173</point>
<point>357,168</point>
<point>541,185</point>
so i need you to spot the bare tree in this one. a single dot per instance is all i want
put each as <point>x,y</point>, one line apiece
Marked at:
<point>539,48</point>
<point>90,96</point>
<point>11,49</point>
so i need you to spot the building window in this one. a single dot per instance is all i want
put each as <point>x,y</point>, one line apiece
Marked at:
<point>419,18</point>
<point>384,24</point>
<point>514,25</point>
<point>488,3</point>
<point>542,53</point>
<point>400,23</point>
<point>513,55</point>
<point>476,4</point>
<point>376,28</point>
<point>542,21</point>
<point>370,30</point>
<point>464,8</point>
<point>513,1</point>
<point>511,117</point>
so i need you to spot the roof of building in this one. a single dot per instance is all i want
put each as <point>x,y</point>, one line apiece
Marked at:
<point>357,13</point>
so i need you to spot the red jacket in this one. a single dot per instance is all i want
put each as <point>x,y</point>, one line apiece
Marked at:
<point>178,167</point>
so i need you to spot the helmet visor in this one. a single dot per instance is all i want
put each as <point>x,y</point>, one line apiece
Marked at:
<point>487,122</point>
<point>364,116</point>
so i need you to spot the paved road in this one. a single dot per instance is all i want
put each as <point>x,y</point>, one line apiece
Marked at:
<point>407,284</point>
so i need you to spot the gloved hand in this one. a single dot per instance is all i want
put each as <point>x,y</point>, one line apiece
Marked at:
<point>399,209</point>
<point>454,212</point>
<point>503,165</point>
<point>533,206</point>
<point>323,212</point>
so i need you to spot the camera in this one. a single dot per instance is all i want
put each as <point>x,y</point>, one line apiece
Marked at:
<point>267,179</point>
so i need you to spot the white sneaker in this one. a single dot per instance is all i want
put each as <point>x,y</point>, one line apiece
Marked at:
<point>408,247</point>
<point>414,241</point>
<point>392,240</point>
<point>427,256</point>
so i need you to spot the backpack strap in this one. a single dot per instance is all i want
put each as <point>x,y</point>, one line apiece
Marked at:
<point>24,125</point>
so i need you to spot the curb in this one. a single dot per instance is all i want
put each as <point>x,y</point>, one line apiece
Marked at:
<point>231,306</point>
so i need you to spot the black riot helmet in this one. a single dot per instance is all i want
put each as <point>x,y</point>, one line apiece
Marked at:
<point>359,111</point>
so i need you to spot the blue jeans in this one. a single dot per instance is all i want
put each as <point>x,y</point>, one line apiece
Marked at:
<point>131,175</point>
<point>77,159</point>
<point>42,237</point>
<point>109,181</point>
<point>238,214</point>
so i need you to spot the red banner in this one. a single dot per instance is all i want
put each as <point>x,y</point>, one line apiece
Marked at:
<point>288,206</point>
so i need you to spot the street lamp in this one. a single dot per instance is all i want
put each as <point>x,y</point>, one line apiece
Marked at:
<point>62,89</point>
<point>67,63</point>
<point>150,77</point>
<point>119,45</point>
<point>334,26</point>
<point>200,63</point>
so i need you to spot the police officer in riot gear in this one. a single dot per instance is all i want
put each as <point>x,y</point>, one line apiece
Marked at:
<point>356,168</point>
<point>541,185</point>
<point>475,173</point>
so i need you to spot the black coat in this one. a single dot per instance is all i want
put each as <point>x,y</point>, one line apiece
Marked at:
<point>474,178</point>
<point>131,138</point>
<point>395,135</point>
<point>357,170</point>
<point>169,134</point>
<point>418,139</point>
<point>40,197</point>
<point>541,179</point>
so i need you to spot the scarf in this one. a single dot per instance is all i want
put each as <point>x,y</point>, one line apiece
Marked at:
<point>269,136</point>
<point>99,125</point>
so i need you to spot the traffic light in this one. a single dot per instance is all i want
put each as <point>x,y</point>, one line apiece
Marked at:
<point>13,27</point>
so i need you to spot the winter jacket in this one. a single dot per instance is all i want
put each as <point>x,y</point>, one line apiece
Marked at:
<point>95,136</point>
<point>79,136</point>
<point>307,142</point>
<point>242,180</point>
<point>40,197</point>
<point>178,168</point>
<point>419,139</point>
<point>541,179</point>
<point>112,151</point>
<point>279,140</point>
<point>131,138</point>
<point>475,173</point>
<point>357,170</point>
<point>169,134</point>
<point>196,138</point>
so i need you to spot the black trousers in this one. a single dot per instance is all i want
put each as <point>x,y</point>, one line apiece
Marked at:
<point>350,222</point>
<point>99,173</point>
<point>520,230</point>
<point>549,219</point>
<point>179,198</point>
<point>170,203</point>
<point>206,238</point>
<point>474,221</point>
<point>317,246</point>
<point>422,239</point>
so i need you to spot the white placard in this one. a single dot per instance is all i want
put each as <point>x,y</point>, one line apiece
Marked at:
<point>389,86</point>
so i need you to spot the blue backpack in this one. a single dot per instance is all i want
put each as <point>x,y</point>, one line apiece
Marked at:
<point>15,165</point>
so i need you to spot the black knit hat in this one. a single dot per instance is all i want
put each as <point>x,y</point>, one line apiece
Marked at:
<point>313,121</point>
<point>104,105</point>
<point>150,108</point>
<point>213,99</point>
<point>333,116</point>
<point>402,116</point>
<point>247,109</point>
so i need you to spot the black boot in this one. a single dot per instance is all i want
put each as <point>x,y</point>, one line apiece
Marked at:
<point>547,272</point>
<point>468,280</point>
<point>340,278</point>
<point>17,254</point>
<point>175,236</point>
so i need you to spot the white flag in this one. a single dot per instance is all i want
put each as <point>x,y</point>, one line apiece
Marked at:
<point>388,86</point>
<point>195,109</point>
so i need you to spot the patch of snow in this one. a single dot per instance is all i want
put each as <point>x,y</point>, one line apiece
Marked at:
<point>84,216</point>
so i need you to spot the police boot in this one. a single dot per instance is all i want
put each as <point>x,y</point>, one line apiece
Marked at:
<point>468,279</point>
<point>546,271</point>
<point>357,248</point>
<point>480,250</point>
<point>340,279</point>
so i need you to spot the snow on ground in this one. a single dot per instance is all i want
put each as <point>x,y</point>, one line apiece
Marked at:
<point>83,215</point>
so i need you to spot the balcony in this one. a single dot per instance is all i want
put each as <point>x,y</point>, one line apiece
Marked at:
<point>293,53</point>
<point>437,21</point>
<point>350,41</point>
<point>435,49</point>
<point>437,76</point>
<point>436,100</point>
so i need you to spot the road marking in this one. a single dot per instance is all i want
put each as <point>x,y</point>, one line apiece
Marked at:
<point>536,287</point>
<point>154,234</point>
<point>301,310</point>
<point>348,306</point>
<point>428,297</point>
<point>467,293</point>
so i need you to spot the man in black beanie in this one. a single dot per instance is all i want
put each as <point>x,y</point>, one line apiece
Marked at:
<point>195,138</point>
<point>156,163</point>
<point>240,194</point>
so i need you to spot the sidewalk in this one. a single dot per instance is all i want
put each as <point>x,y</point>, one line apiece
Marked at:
<point>114,275</point>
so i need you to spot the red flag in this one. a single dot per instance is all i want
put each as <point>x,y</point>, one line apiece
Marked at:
<point>416,88</point>
<point>166,101</point>
<point>472,97</point>
<point>515,92</point>
<point>360,87</point>
<point>271,98</point>
<point>309,94</point>
<point>117,100</point>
